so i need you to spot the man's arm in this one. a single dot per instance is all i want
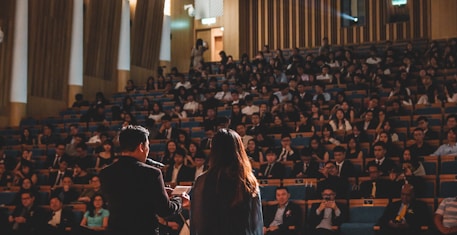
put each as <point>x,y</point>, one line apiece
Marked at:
<point>164,205</point>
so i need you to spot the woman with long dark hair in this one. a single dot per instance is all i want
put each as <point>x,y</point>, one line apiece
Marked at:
<point>226,199</point>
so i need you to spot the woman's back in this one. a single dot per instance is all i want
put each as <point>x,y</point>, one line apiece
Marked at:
<point>212,212</point>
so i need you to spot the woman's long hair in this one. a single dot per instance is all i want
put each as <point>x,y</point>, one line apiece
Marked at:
<point>228,162</point>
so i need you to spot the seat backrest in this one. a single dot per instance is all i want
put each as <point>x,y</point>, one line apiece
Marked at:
<point>366,210</point>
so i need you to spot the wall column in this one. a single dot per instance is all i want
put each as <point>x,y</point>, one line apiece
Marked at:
<point>75,78</point>
<point>165,44</point>
<point>123,63</point>
<point>18,97</point>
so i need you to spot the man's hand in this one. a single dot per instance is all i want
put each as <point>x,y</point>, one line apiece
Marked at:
<point>185,200</point>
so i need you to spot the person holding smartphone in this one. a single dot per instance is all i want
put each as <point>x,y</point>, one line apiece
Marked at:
<point>326,216</point>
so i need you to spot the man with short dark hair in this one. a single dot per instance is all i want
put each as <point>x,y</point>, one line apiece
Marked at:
<point>327,213</point>
<point>423,123</point>
<point>27,217</point>
<point>420,148</point>
<point>287,152</point>
<point>385,164</point>
<point>178,172</point>
<point>58,218</point>
<point>345,167</point>
<point>283,218</point>
<point>450,146</point>
<point>272,169</point>
<point>134,190</point>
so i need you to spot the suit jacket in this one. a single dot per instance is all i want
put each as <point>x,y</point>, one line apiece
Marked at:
<point>277,171</point>
<point>383,188</point>
<point>34,219</point>
<point>184,174</point>
<point>312,171</point>
<point>290,156</point>
<point>141,185</point>
<point>53,176</point>
<point>315,219</point>
<point>385,167</point>
<point>348,170</point>
<point>66,220</point>
<point>51,158</point>
<point>204,143</point>
<point>416,216</point>
<point>338,184</point>
<point>292,217</point>
<point>174,134</point>
<point>254,130</point>
<point>67,197</point>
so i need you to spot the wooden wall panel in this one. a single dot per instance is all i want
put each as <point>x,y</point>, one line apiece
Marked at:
<point>306,22</point>
<point>147,28</point>
<point>50,24</point>
<point>7,13</point>
<point>101,39</point>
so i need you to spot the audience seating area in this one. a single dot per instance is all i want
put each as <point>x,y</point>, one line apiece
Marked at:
<point>441,170</point>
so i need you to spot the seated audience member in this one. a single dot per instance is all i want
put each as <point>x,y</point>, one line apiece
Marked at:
<point>250,108</point>
<point>70,148</point>
<point>403,176</point>
<point>332,181</point>
<point>451,122</point>
<point>257,126</point>
<point>56,177</point>
<point>53,160</point>
<point>444,218</point>
<point>254,152</point>
<point>79,101</point>
<point>318,151</point>
<point>344,167</point>
<point>376,187</point>
<point>429,134</point>
<point>420,148</point>
<point>385,164</point>
<point>287,152</point>
<point>26,217</point>
<point>80,174</point>
<point>413,162</point>
<point>307,167</point>
<point>58,218</point>
<point>25,171</point>
<point>26,185</point>
<point>241,130</point>
<point>105,157</point>
<point>167,130</point>
<point>200,165</point>
<point>449,148</point>
<point>272,169</point>
<point>95,219</point>
<point>66,193</point>
<point>178,172</point>
<point>404,216</point>
<point>47,136</point>
<point>5,177</point>
<point>392,150</point>
<point>283,218</point>
<point>206,141</point>
<point>354,150</point>
<point>88,193</point>
<point>323,215</point>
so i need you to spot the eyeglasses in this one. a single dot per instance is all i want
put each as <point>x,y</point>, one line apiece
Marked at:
<point>328,195</point>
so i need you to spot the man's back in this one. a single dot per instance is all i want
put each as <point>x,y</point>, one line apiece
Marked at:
<point>135,194</point>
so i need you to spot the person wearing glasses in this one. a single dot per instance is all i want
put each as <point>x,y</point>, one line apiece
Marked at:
<point>26,217</point>
<point>326,216</point>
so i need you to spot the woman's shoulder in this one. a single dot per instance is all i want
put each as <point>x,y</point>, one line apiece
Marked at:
<point>104,212</point>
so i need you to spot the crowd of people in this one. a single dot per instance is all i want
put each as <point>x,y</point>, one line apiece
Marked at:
<point>270,98</point>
